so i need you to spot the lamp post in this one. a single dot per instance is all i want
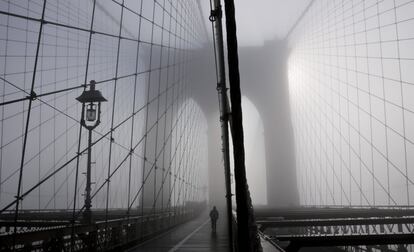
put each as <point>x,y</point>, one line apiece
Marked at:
<point>91,117</point>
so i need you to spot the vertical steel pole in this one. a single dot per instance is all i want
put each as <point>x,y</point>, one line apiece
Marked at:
<point>216,19</point>
<point>88,202</point>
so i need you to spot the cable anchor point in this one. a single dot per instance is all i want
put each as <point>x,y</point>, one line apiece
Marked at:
<point>32,96</point>
<point>215,14</point>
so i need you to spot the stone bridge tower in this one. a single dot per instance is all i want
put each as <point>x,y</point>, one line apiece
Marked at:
<point>263,75</point>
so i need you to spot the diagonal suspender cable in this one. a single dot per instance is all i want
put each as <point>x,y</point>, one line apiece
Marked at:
<point>247,236</point>
<point>19,185</point>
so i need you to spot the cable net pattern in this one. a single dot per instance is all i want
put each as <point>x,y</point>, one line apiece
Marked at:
<point>148,152</point>
<point>351,88</point>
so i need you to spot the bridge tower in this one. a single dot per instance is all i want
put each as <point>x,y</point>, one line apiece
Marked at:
<point>264,81</point>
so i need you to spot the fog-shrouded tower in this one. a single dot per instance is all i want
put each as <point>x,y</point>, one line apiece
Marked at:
<point>263,75</point>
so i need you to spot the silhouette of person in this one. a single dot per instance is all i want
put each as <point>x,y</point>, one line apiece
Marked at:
<point>214,215</point>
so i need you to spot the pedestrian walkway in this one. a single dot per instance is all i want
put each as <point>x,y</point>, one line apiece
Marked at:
<point>194,236</point>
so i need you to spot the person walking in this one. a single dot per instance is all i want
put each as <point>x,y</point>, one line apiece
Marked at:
<point>214,215</point>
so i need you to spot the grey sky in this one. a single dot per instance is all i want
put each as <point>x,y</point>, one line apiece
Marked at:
<point>262,20</point>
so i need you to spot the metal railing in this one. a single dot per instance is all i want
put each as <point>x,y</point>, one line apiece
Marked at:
<point>51,230</point>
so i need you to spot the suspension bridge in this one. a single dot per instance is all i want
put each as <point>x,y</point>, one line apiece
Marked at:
<point>121,124</point>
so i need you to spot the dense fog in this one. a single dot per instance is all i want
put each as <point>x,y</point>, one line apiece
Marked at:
<point>327,98</point>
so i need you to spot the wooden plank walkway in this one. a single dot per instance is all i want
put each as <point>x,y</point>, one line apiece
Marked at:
<point>194,236</point>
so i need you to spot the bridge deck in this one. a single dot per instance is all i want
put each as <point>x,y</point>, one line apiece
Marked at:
<point>195,235</point>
